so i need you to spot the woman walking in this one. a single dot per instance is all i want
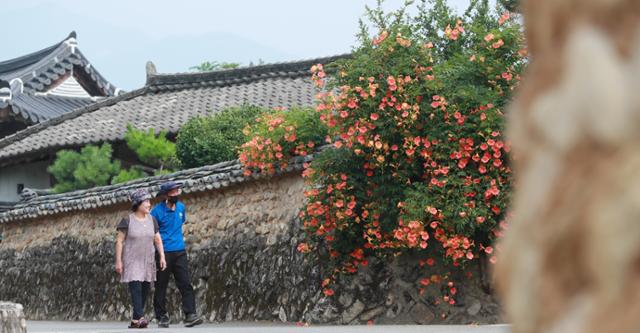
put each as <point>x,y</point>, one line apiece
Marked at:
<point>135,260</point>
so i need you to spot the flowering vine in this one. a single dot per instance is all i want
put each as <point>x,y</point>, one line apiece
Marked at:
<point>277,136</point>
<point>420,164</point>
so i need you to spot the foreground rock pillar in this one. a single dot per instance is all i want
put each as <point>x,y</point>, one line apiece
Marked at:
<point>12,318</point>
<point>570,259</point>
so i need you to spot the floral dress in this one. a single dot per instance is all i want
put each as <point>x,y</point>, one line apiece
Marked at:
<point>138,257</point>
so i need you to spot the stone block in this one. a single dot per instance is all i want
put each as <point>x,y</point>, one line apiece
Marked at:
<point>474,308</point>
<point>421,314</point>
<point>352,312</point>
<point>372,314</point>
<point>345,299</point>
<point>12,318</point>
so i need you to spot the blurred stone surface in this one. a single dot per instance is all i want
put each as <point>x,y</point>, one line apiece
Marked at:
<point>352,312</point>
<point>421,314</point>
<point>577,171</point>
<point>12,318</point>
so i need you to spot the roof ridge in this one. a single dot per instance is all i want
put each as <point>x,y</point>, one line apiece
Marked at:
<point>289,68</point>
<point>47,95</point>
<point>70,115</point>
<point>33,57</point>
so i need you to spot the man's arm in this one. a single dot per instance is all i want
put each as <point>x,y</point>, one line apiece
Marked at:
<point>160,249</point>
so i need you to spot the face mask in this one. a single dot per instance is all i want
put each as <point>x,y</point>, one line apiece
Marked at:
<point>173,199</point>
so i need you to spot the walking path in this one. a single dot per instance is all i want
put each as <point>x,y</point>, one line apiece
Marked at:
<point>118,327</point>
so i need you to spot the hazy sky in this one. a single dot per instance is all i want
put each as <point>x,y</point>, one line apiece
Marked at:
<point>119,36</point>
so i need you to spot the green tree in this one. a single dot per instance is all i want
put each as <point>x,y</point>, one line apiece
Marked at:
<point>208,66</point>
<point>90,167</point>
<point>215,138</point>
<point>154,150</point>
<point>128,174</point>
<point>94,166</point>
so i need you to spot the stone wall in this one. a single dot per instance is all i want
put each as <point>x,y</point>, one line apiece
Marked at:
<point>242,248</point>
<point>12,318</point>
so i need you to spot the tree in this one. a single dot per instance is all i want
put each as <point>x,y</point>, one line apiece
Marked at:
<point>257,63</point>
<point>90,167</point>
<point>153,149</point>
<point>126,175</point>
<point>215,138</point>
<point>208,66</point>
<point>94,166</point>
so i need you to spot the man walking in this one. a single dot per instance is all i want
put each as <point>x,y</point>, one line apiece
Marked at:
<point>171,215</point>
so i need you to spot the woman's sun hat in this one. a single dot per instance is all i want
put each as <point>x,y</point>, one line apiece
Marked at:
<point>138,196</point>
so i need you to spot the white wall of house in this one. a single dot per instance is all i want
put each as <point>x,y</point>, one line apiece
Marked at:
<point>33,175</point>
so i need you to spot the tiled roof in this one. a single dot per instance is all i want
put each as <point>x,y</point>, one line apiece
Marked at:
<point>38,108</point>
<point>165,103</point>
<point>41,69</point>
<point>201,179</point>
<point>46,84</point>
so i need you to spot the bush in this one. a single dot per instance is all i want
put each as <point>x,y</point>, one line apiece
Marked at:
<point>421,165</point>
<point>90,167</point>
<point>275,137</point>
<point>216,138</point>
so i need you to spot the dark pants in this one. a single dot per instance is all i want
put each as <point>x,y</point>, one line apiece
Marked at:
<point>178,266</point>
<point>139,292</point>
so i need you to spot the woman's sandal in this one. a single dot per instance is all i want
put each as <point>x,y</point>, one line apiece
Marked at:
<point>142,323</point>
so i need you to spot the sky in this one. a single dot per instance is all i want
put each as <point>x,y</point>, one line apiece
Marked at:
<point>120,36</point>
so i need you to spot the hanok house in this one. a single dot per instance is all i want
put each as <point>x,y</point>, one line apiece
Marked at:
<point>46,84</point>
<point>35,88</point>
<point>165,103</point>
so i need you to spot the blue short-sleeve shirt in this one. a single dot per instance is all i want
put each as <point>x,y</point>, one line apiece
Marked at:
<point>170,225</point>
